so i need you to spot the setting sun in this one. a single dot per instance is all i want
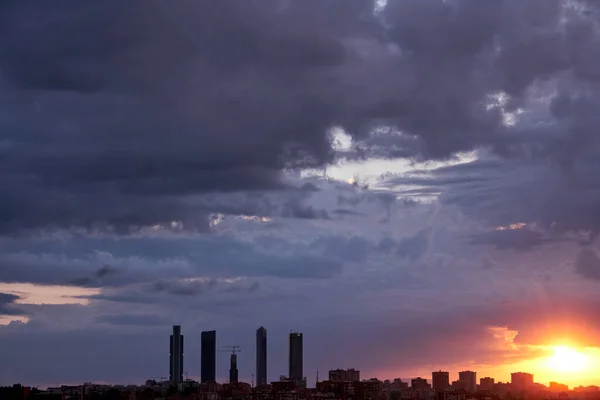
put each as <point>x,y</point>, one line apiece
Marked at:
<point>566,359</point>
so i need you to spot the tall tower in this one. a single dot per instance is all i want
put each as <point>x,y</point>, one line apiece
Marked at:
<point>261,356</point>
<point>176,356</point>
<point>233,370</point>
<point>295,359</point>
<point>208,349</point>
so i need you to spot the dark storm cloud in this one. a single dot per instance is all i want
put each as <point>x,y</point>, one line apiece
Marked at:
<point>547,198</point>
<point>414,247</point>
<point>146,259</point>
<point>6,305</point>
<point>139,104</point>
<point>113,113</point>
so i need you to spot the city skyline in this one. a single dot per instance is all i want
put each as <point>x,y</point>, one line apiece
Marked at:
<point>411,184</point>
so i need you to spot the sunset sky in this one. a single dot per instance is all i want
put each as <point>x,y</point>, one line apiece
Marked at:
<point>413,184</point>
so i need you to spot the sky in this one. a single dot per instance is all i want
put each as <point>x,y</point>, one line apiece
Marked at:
<point>413,184</point>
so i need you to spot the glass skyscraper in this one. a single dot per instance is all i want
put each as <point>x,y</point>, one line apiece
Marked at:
<point>208,349</point>
<point>176,355</point>
<point>295,359</point>
<point>261,356</point>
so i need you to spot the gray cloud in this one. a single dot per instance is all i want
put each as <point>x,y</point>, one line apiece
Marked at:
<point>587,263</point>
<point>517,239</point>
<point>122,137</point>
<point>148,259</point>
<point>132,319</point>
<point>6,305</point>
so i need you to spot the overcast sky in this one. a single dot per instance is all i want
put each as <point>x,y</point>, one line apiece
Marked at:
<point>413,185</point>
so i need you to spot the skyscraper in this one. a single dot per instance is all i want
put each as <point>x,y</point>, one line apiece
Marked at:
<point>261,356</point>
<point>295,359</point>
<point>208,349</point>
<point>233,370</point>
<point>440,381</point>
<point>469,379</point>
<point>176,356</point>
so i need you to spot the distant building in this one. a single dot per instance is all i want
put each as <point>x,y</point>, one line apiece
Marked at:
<point>558,387</point>
<point>295,357</point>
<point>469,379</point>
<point>208,350</point>
<point>451,395</point>
<point>398,384</point>
<point>419,384</point>
<point>458,385</point>
<point>261,357</point>
<point>486,384</point>
<point>521,381</point>
<point>344,375</point>
<point>176,356</point>
<point>440,381</point>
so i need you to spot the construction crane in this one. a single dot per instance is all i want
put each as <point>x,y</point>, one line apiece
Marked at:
<point>232,349</point>
<point>233,370</point>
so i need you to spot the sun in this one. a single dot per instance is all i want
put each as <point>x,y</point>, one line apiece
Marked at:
<point>566,359</point>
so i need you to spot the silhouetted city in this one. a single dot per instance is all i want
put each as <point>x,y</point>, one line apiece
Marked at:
<point>339,384</point>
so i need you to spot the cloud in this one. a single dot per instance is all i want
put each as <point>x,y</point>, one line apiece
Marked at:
<point>587,263</point>
<point>132,319</point>
<point>6,305</point>
<point>142,136</point>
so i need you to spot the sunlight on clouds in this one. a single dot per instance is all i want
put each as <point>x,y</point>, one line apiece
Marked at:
<point>379,6</point>
<point>216,219</point>
<point>560,363</point>
<point>500,101</point>
<point>370,171</point>
<point>566,365</point>
<point>7,319</point>
<point>511,227</point>
<point>340,139</point>
<point>47,294</point>
<point>504,335</point>
<point>255,218</point>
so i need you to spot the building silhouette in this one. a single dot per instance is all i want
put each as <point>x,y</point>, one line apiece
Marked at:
<point>176,356</point>
<point>344,375</point>
<point>261,357</point>
<point>486,384</point>
<point>208,350</point>
<point>295,357</point>
<point>440,381</point>
<point>419,384</point>
<point>521,381</point>
<point>233,369</point>
<point>469,380</point>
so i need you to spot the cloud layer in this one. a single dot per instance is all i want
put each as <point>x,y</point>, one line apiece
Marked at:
<point>176,161</point>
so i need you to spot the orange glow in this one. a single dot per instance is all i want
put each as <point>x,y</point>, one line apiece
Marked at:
<point>549,360</point>
<point>566,359</point>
